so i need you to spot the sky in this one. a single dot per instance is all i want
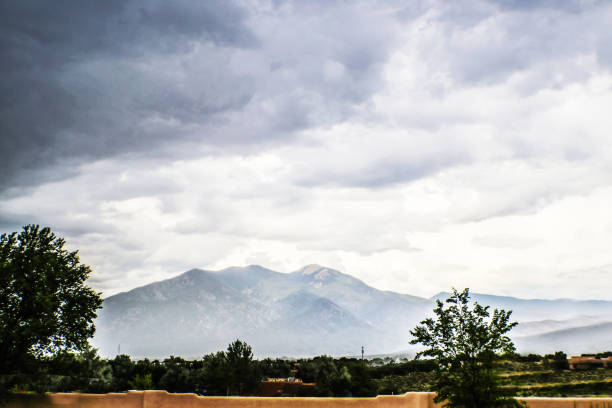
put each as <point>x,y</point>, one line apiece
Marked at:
<point>416,145</point>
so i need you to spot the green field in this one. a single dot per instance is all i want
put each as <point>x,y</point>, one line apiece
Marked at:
<point>525,379</point>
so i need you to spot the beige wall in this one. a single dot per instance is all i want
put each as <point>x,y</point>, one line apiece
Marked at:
<point>161,399</point>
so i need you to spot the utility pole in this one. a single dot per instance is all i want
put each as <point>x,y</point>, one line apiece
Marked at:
<point>361,353</point>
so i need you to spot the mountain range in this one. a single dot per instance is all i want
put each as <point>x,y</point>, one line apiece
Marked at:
<point>314,310</point>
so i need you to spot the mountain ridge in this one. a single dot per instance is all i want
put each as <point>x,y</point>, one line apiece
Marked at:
<point>313,310</point>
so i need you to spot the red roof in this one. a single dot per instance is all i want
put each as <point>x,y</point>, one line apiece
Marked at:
<point>277,387</point>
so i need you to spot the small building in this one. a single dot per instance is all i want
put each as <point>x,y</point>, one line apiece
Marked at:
<point>284,387</point>
<point>589,362</point>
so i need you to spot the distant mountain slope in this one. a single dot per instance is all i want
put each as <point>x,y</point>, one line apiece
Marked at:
<point>531,328</point>
<point>574,341</point>
<point>372,305</point>
<point>178,315</point>
<point>314,310</point>
<point>542,309</point>
<point>303,310</point>
<point>313,325</point>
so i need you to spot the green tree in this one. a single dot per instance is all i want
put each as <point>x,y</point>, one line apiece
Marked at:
<point>178,376</point>
<point>214,377</point>
<point>84,371</point>
<point>466,342</point>
<point>361,380</point>
<point>277,368</point>
<point>556,361</point>
<point>333,380</point>
<point>123,371</point>
<point>141,382</point>
<point>244,373</point>
<point>45,306</point>
<point>154,368</point>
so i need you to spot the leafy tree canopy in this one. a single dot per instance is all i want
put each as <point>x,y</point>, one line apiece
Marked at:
<point>242,369</point>
<point>466,342</point>
<point>45,306</point>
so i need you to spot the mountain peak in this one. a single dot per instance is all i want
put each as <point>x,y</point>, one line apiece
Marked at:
<point>313,310</point>
<point>311,269</point>
<point>249,269</point>
<point>193,271</point>
<point>318,272</point>
<point>256,267</point>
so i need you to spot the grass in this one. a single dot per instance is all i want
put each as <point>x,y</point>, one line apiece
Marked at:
<point>524,379</point>
<point>575,388</point>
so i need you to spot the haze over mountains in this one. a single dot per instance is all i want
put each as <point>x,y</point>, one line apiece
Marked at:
<point>314,310</point>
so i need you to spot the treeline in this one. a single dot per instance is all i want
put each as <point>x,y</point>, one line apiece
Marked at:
<point>555,361</point>
<point>235,372</point>
<point>230,372</point>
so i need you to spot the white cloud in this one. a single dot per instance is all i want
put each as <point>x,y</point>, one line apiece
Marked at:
<point>416,149</point>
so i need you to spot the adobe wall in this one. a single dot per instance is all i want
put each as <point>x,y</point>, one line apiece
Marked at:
<point>162,399</point>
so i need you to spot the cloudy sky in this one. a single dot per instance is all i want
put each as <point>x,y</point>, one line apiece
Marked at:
<point>416,145</point>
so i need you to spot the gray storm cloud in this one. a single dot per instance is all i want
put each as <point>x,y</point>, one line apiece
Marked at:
<point>88,80</point>
<point>161,136</point>
<point>81,80</point>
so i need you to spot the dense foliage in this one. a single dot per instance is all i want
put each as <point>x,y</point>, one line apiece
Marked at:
<point>45,307</point>
<point>465,342</point>
<point>212,375</point>
<point>230,372</point>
